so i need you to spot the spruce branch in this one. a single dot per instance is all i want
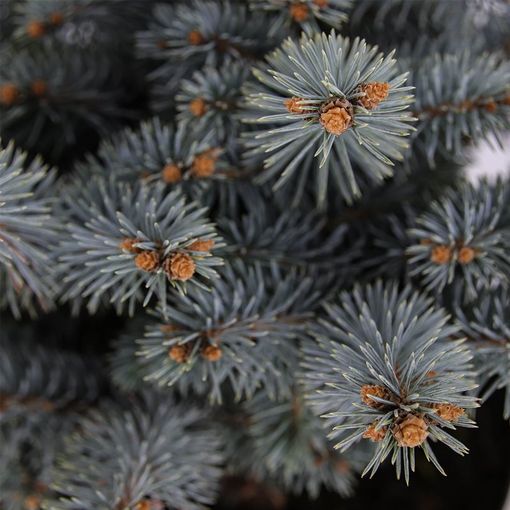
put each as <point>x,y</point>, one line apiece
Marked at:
<point>289,447</point>
<point>383,367</point>
<point>159,152</point>
<point>462,238</point>
<point>27,229</point>
<point>459,97</point>
<point>126,243</point>
<point>327,102</point>
<point>127,457</point>
<point>49,111</point>
<point>211,101</point>
<point>485,323</point>
<point>240,336</point>
<point>307,15</point>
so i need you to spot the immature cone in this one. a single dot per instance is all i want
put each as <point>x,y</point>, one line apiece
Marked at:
<point>198,107</point>
<point>299,12</point>
<point>39,88</point>
<point>441,254</point>
<point>204,165</point>
<point>212,353</point>
<point>195,38</point>
<point>374,390</point>
<point>9,93</point>
<point>373,434</point>
<point>36,29</point>
<point>179,353</point>
<point>411,432</point>
<point>466,255</point>
<point>180,267</point>
<point>336,116</point>
<point>147,261</point>
<point>201,245</point>
<point>128,244</point>
<point>449,412</point>
<point>375,92</point>
<point>171,173</point>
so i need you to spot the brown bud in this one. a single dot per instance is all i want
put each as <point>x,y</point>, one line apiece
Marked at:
<point>198,107</point>
<point>321,3</point>
<point>506,100</point>
<point>491,106</point>
<point>431,374</point>
<point>466,255</point>
<point>374,434</point>
<point>56,18</point>
<point>204,164</point>
<point>36,29</point>
<point>376,391</point>
<point>171,173</point>
<point>441,254</point>
<point>201,245</point>
<point>336,116</point>
<point>162,44</point>
<point>147,260</point>
<point>32,502</point>
<point>180,266</point>
<point>342,466</point>
<point>128,244</point>
<point>412,431</point>
<point>212,353</point>
<point>195,38</point>
<point>299,12</point>
<point>39,88</point>
<point>375,92</point>
<point>145,504</point>
<point>448,412</point>
<point>179,353</point>
<point>9,94</point>
<point>292,105</point>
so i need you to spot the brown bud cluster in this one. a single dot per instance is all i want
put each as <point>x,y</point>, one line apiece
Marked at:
<point>441,254</point>
<point>204,245</point>
<point>147,260</point>
<point>56,18</point>
<point>466,255</point>
<point>36,29</point>
<point>299,12</point>
<point>9,94</point>
<point>376,391</point>
<point>198,107</point>
<point>336,116</point>
<point>128,244</point>
<point>374,434</point>
<point>179,353</point>
<point>448,412</point>
<point>171,173</point>
<point>212,352</point>
<point>179,266</point>
<point>412,431</point>
<point>204,164</point>
<point>39,88</point>
<point>293,106</point>
<point>374,92</point>
<point>195,38</point>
